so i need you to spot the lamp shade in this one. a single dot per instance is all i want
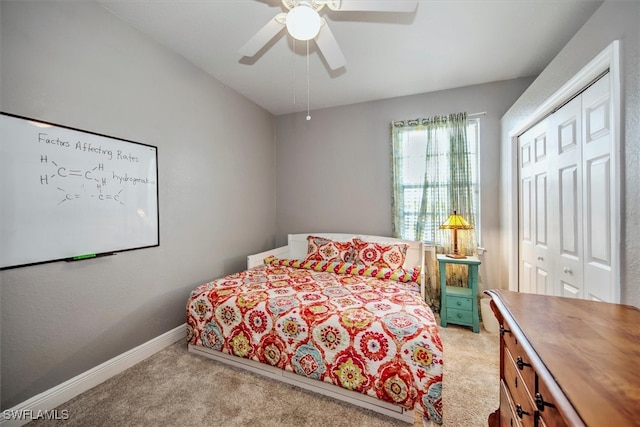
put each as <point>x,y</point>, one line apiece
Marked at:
<point>456,222</point>
<point>303,23</point>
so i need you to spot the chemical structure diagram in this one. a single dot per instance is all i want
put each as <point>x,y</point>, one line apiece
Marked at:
<point>84,183</point>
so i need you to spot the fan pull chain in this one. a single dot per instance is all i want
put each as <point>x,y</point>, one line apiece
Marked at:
<point>293,65</point>
<point>308,115</point>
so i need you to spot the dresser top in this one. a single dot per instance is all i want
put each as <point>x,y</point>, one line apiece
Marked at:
<point>591,349</point>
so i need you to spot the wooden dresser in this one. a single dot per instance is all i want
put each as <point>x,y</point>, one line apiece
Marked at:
<point>566,362</point>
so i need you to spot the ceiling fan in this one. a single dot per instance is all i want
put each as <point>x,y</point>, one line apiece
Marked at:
<point>303,22</point>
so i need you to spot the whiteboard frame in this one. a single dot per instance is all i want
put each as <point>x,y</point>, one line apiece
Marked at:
<point>97,254</point>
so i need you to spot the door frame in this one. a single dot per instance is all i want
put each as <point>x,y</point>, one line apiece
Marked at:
<point>608,59</point>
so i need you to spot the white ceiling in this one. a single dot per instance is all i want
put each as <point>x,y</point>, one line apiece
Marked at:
<point>442,45</point>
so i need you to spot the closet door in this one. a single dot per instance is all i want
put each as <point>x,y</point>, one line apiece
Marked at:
<point>599,189</point>
<point>535,261</point>
<point>566,167</point>
<point>567,206</point>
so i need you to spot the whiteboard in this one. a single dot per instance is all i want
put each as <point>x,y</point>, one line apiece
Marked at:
<point>66,193</point>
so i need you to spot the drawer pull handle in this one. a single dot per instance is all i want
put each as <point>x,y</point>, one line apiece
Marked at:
<point>503,330</point>
<point>521,363</point>
<point>540,403</point>
<point>521,412</point>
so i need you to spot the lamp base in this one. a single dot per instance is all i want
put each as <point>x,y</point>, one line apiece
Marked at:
<point>456,256</point>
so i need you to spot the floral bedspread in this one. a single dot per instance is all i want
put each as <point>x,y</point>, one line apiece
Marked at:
<point>371,335</point>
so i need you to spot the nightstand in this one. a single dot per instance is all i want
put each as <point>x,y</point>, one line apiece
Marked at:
<point>459,304</point>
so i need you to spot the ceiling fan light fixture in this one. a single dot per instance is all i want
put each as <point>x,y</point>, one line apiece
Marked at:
<point>303,23</point>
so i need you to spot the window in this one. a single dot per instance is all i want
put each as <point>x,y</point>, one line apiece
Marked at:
<point>411,145</point>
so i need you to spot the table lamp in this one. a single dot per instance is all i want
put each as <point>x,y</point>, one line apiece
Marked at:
<point>455,222</point>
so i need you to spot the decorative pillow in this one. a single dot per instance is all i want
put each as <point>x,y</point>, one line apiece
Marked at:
<point>338,267</point>
<point>379,254</point>
<point>322,249</point>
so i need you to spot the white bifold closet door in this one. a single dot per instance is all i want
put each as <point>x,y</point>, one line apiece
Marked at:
<point>566,227</point>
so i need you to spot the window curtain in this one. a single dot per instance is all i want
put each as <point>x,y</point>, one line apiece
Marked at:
<point>447,185</point>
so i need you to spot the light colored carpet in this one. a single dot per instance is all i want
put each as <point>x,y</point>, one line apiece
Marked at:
<point>177,388</point>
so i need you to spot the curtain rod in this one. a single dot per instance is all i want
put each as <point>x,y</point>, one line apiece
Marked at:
<point>401,123</point>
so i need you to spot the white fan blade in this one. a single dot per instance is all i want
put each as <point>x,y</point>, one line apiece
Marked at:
<point>329,47</point>
<point>373,5</point>
<point>262,37</point>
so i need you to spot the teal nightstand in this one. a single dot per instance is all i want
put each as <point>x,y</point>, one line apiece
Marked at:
<point>459,305</point>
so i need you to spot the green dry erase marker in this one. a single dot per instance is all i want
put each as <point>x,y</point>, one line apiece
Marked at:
<point>84,256</point>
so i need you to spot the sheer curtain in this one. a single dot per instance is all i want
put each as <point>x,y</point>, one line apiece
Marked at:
<point>432,177</point>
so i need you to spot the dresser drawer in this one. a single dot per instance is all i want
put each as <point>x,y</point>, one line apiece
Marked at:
<point>508,417</point>
<point>460,303</point>
<point>548,413</point>
<point>522,399</point>
<point>459,316</point>
<point>521,360</point>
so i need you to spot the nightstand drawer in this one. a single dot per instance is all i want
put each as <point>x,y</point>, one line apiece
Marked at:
<point>456,316</point>
<point>460,303</point>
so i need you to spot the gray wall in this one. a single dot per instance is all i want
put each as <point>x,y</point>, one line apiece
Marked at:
<point>74,63</point>
<point>614,20</point>
<point>1,407</point>
<point>334,171</point>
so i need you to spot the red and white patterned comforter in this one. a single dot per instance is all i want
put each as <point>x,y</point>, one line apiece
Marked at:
<point>366,334</point>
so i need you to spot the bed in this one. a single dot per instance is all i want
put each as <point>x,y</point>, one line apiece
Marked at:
<point>338,314</point>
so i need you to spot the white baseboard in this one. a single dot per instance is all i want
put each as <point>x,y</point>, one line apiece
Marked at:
<point>43,404</point>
